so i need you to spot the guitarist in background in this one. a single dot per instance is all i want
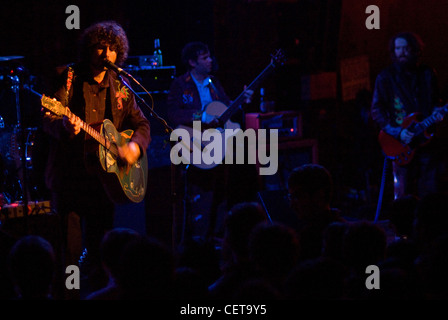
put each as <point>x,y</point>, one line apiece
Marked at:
<point>405,87</point>
<point>189,95</point>
<point>93,93</point>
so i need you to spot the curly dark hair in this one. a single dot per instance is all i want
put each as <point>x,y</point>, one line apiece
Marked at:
<point>191,51</point>
<point>414,41</point>
<point>106,33</point>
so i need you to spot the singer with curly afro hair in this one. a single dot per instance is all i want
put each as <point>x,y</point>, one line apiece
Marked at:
<point>94,93</point>
<point>104,33</point>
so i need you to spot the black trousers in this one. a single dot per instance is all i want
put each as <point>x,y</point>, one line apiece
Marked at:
<point>86,213</point>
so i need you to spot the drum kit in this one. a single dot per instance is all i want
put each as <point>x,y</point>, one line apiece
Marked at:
<point>17,140</point>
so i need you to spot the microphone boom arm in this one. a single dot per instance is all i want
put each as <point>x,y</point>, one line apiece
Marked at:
<point>168,129</point>
<point>110,65</point>
<point>119,72</point>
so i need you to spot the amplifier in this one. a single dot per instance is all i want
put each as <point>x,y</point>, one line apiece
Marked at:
<point>143,60</point>
<point>154,79</point>
<point>288,123</point>
<point>17,209</point>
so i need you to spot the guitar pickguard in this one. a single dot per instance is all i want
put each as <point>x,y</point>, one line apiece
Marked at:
<point>132,178</point>
<point>110,162</point>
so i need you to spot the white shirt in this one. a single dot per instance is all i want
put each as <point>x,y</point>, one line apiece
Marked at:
<point>204,91</point>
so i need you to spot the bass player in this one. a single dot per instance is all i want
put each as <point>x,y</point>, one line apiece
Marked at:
<point>402,90</point>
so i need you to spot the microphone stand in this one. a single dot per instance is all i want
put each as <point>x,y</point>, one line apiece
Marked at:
<point>168,130</point>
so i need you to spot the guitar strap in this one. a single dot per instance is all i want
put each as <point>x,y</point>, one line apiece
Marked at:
<point>70,75</point>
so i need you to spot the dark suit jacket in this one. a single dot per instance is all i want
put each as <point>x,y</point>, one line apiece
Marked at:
<point>66,167</point>
<point>183,100</point>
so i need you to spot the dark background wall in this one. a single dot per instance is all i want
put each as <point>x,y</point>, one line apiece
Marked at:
<point>242,33</point>
<point>316,36</point>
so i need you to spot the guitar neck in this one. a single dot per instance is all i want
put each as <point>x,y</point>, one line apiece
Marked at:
<point>240,99</point>
<point>429,121</point>
<point>57,108</point>
<point>89,130</point>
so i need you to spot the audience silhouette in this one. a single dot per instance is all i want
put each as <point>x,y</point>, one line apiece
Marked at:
<point>310,188</point>
<point>236,265</point>
<point>32,264</point>
<point>111,249</point>
<point>322,257</point>
<point>146,270</point>
<point>316,279</point>
<point>6,286</point>
<point>274,250</point>
<point>201,255</point>
<point>332,240</point>
<point>431,220</point>
<point>432,267</point>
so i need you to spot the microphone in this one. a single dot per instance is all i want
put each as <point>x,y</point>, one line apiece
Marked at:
<point>107,63</point>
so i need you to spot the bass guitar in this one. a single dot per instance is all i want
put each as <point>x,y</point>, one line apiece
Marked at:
<point>221,112</point>
<point>403,153</point>
<point>122,182</point>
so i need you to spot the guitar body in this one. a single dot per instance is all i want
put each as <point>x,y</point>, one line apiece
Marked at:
<point>398,151</point>
<point>218,110</point>
<point>212,111</point>
<point>122,182</point>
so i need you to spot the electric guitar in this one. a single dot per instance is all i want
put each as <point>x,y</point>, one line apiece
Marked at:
<point>403,153</point>
<point>218,110</point>
<point>122,182</point>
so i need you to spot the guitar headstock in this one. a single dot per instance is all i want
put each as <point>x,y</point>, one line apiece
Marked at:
<point>53,105</point>
<point>278,58</point>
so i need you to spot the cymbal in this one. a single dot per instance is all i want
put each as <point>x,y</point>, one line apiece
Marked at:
<point>7,58</point>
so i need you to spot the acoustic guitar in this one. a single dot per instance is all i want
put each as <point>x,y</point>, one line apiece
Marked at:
<point>223,113</point>
<point>122,182</point>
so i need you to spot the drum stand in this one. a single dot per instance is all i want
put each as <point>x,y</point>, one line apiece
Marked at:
<point>22,149</point>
